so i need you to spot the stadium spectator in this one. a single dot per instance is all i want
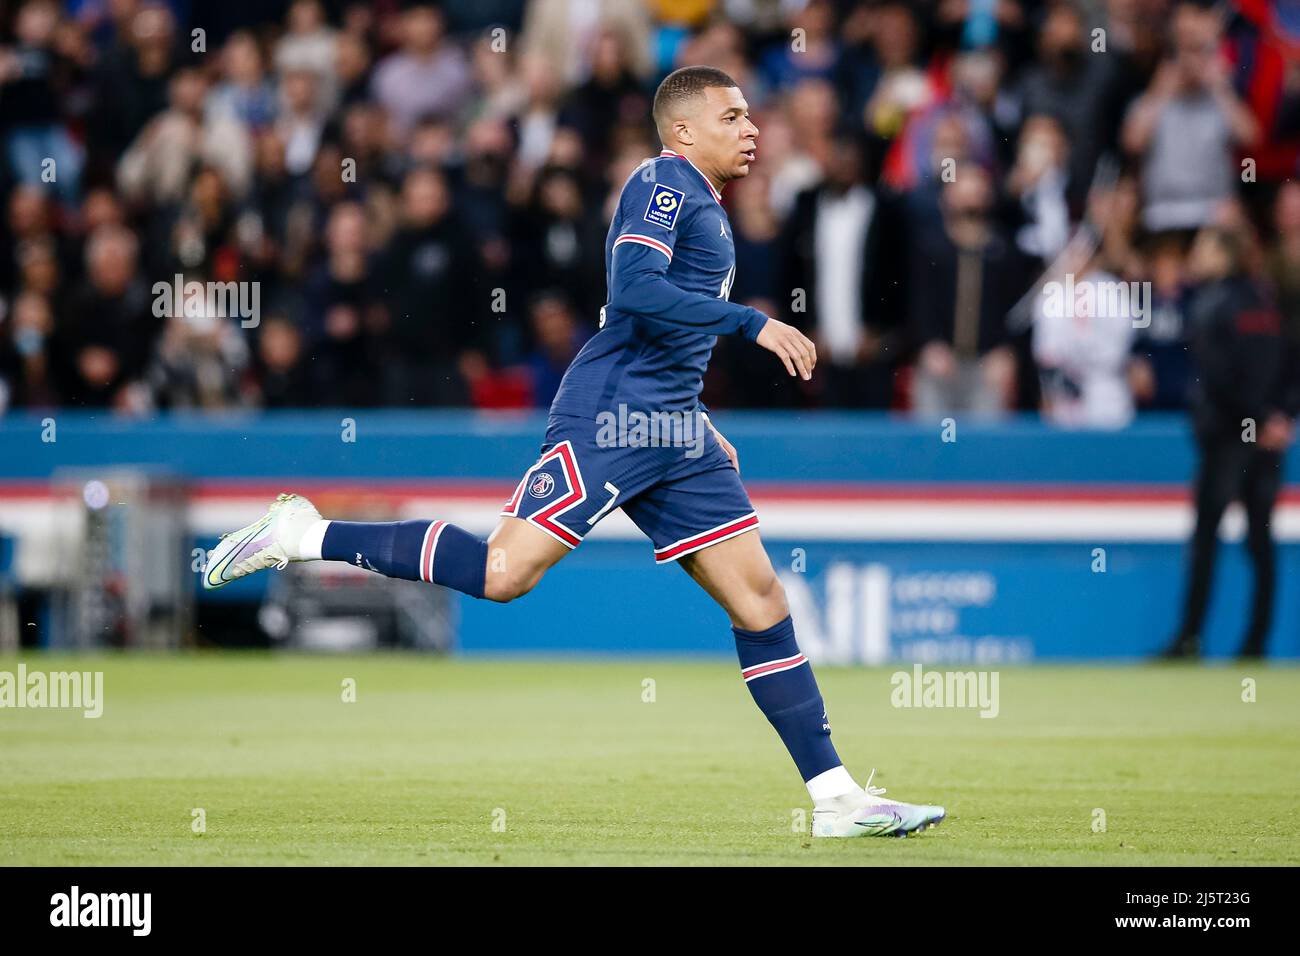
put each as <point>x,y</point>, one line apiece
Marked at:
<point>34,76</point>
<point>342,311</point>
<point>1185,126</point>
<point>816,53</point>
<point>26,362</point>
<point>229,163</point>
<point>1073,84</point>
<point>131,83</point>
<point>105,335</point>
<point>562,32</point>
<point>964,276</point>
<point>156,168</point>
<point>352,60</point>
<point>902,87</point>
<point>1038,182</point>
<point>842,279</point>
<point>557,336</point>
<point>965,118</point>
<point>1160,374</point>
<point>799,141</point>
<point>425,286</point>
<point>429,76</point>
<point>199,362</point>
<point>300,124</point>
<point>245,94</point>
<point>309,46</point>
<point>40,269</point>
<point>1284,258</point>
<point>29,221</point>
<point>611,99</point>
<point>285,380</point>
<point>1082,345</point>
<point>738,374</point>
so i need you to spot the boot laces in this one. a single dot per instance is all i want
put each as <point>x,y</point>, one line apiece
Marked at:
<point>873,791</point>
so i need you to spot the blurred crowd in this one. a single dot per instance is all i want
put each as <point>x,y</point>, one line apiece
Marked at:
<point>420,194</point>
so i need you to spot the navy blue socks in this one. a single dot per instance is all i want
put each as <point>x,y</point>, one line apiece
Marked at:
<point>432,551</point>
<point>781,681</point>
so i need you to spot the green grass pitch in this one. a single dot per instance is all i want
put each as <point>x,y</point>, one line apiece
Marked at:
<point>484,761</point>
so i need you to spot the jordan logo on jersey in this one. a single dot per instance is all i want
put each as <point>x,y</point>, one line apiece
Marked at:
<point>665,203</point>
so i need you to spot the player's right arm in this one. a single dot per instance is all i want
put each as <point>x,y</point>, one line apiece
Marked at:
<point>638,285</point>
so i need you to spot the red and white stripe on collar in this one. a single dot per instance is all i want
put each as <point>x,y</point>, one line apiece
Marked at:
<point>716,195</point>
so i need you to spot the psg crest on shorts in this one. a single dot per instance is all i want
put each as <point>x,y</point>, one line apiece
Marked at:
<point>541,485</point>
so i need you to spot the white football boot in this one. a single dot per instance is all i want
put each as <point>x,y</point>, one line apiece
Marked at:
<point>269,542</point>
<point>866,813</point>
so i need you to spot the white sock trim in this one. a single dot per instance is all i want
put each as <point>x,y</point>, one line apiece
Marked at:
<point>312,539</point>
<point>831,783</point>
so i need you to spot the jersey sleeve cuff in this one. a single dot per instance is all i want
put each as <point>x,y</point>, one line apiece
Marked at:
<point>753,325</point>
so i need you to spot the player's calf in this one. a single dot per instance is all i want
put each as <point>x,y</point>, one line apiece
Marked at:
<point>432,551</point>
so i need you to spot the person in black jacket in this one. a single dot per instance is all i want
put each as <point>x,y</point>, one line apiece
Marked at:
<point>1244,403</point>
<point>426,281</point>
<point>964,275</point>
<point>840,249</point>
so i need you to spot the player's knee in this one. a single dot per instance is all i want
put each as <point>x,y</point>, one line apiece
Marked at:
<point>772,595</point>
<point>507,584</point>
<point>766,604</point>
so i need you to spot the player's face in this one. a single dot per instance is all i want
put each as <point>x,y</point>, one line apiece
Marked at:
<point>725,138</point>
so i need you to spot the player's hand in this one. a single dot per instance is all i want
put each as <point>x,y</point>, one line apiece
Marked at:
<point>726,446</point>
<point>791,346</point>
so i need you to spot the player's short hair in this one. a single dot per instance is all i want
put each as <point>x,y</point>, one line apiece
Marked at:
<point>682,85</point>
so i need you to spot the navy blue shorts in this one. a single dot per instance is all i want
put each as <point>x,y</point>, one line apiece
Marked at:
<point>680,489</point>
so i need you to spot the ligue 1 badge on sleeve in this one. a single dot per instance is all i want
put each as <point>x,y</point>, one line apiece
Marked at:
<point>665,204</point>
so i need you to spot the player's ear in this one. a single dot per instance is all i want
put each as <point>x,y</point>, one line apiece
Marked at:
<point>682,132</point>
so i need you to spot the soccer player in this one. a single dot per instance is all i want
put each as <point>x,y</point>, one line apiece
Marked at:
<point>669,263</point>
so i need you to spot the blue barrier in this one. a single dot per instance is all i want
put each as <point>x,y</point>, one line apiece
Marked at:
<point>872,603</point>
<point>857,600</point>
<point>816,447</point>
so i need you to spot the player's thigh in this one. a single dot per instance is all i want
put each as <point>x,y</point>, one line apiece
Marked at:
<point>738,574</point>
<point>518,555</point>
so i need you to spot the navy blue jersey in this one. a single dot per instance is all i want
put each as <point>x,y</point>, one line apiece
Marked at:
<point>669,264</point>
